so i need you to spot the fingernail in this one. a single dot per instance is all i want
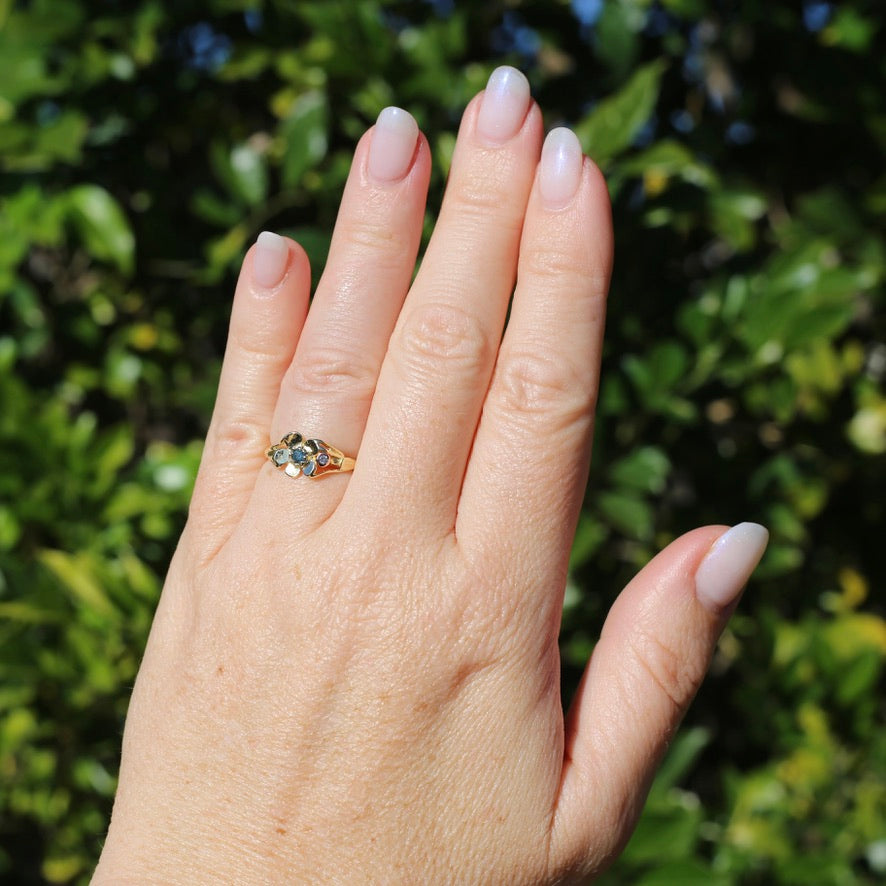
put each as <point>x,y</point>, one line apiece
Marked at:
<point>269,260</point>
<point>560,171</point>
<point>393,144</point>
<point>504,104</point>
<point>729,564</point>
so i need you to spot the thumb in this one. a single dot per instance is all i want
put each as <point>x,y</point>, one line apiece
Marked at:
<point>652,655</point>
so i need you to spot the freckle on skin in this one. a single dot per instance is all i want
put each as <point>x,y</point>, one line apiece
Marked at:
<point>220,670</point>
<point>281,830</point>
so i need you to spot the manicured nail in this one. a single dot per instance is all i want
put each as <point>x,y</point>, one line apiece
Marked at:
<point>393,145</point>
<point>729,564</point>
<point>560,170</point>
<point>269,260</point>
<point>504,104</point>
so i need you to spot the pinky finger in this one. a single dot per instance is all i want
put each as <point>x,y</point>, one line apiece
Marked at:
<point>270,305</point>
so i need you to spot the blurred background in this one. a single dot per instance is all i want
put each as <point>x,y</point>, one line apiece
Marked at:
<point>144,144</point>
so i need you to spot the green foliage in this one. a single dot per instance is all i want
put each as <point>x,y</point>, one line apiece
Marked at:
<point>614,124</point>
<point>142,148</point>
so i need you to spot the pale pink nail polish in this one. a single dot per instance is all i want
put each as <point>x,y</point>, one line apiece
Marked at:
<point>269,260</point>
<point>504,106</point>
<point>393,145</point>
<point>729,564</point>
<point>560,168</point>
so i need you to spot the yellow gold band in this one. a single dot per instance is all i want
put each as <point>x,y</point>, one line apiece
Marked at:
<point>312,458</point>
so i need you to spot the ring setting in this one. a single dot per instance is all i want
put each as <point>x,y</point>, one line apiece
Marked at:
<point>297,457</point>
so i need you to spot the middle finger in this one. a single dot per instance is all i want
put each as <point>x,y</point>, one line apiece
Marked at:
<point>440,358</point>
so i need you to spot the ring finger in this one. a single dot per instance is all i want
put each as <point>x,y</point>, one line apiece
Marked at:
<point>329,385</point>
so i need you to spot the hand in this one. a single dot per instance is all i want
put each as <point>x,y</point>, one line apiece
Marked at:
<point>355,678</point>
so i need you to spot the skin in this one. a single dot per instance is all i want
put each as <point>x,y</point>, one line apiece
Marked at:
<point>356,679</point>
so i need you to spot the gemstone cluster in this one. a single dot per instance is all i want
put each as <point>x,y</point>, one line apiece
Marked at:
<point>298,456</point>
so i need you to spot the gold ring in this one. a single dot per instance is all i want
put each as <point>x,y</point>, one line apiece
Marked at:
<point>310,458</point>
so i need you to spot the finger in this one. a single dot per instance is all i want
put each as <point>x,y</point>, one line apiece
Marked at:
<point>528,467</point>
<point>327,391</point>
<point>441,354</point>
<point>269,309</point>
<point>652,655</point>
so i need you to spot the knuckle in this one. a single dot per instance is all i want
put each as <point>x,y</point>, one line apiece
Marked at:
<point>367,234</point>
<point>671,669</point>
<point>258,350</point>
<point>478,215</point>
<point>575,270</point>
<point>480,196</point>
<point>333,369</point>
<point>547,386</point>
<point>552,262</point>
<point>480,190</point>
<point>438,333</point>
<point>231,437</point>
<point>365,240</point>
<point>475,197</point>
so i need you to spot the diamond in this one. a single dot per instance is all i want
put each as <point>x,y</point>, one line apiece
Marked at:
<point>322,459</point>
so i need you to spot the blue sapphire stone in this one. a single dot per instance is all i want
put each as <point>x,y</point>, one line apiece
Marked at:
<point>299,456</point>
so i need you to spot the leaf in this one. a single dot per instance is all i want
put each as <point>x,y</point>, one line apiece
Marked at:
<point>850,30</point>
<point>799,299</point>
<point>28,613</point>
<point>75,573</point>
<point>63,138</point>
<point>304,134</point>
<point>241,169</point>
<point>23,74</point>
<point>102,225</point>
<point>612,126</point>
<point>25,148</point>
<point>114,451</point>
<point>589,535</point>
<point>629,514</point>
<point>867,429</point>
<point>859,678</point>
<point>617,35</point>
<point>665,833</point>
<point>646,470</point>
<point>217,211</point>
<point>659,373</point>
<point>224,250</point>
<point>733,216</point>
<point>249,174</point>
<point>685,8</point>
<point>10,528</point>
<point>688,872</point>
<point>670,158</point>
<point>681,756</point>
